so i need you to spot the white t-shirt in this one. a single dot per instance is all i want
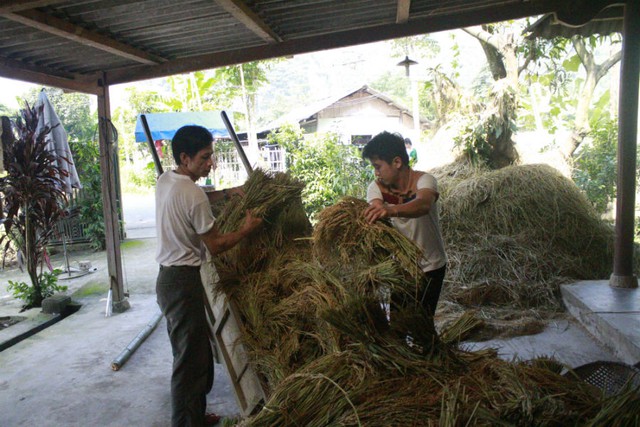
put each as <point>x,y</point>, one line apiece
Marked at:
<point>424,230</point>
<point>182,214</point>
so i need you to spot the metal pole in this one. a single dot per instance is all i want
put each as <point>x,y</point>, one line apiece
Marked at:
<point>236,142</point>
<point>623,276</point>
<point>154,153</point>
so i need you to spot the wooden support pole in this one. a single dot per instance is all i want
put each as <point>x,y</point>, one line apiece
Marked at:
<point>623,276</point>
<point>109,199</point>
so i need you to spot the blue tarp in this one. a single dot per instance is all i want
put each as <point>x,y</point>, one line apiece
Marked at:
<point>165,125</point>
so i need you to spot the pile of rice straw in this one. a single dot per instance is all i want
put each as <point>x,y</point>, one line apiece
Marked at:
<point>321,340</point>
<point>512,236</point>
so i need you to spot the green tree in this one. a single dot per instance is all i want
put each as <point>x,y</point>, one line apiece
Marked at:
<point>595,164</point>
<point>501,45</point>
<point>329,169</point>
<point>90,209</point>
<point>6,111</point>
<point>242,82</point>
<point>74,111</point>
<point>441,97</point>
<point>569,56</point>
<point>395,86</point>
<point>422,49</point>
<point>137,170</point>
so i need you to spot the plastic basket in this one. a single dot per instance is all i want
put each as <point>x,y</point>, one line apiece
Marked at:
<point>610,377</point>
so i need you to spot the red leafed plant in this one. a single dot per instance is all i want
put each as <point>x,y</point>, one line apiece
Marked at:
<point>32,195</point>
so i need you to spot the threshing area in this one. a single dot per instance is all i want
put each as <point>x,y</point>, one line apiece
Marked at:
<point>62,375</point>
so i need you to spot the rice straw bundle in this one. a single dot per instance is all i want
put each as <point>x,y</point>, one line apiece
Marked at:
<point>315,395</point>
<point>283,329</point>
<point>352,388</point>
<point>275,197</point>
<point>343,235</point>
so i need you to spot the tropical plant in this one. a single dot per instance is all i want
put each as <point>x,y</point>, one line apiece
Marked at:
<point>329,169</point>
<point>48,287</point>
<point>485,137</point>
<point>190,92</point>
<point>243,81</point>
<point>74,111</point>
<point>595,165</point>
<point>583,52</point>
<point>33,195</point>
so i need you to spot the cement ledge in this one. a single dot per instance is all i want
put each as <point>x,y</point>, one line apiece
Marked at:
<point>611,315</point>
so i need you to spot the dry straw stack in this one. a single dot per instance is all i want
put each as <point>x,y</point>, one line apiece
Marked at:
<point>512,236</point>
<point>320,337</point>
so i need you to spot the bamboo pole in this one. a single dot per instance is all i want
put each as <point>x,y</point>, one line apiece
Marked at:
<point>124,355</point>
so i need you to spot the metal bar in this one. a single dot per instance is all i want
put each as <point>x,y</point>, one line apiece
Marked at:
<point>236,142</point>
<point>152,146</point>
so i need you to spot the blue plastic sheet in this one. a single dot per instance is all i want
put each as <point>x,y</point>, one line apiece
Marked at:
<point>165,125</point>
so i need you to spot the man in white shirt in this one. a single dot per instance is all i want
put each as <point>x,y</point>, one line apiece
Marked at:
<point>184,221</point>
<point>409,198</point>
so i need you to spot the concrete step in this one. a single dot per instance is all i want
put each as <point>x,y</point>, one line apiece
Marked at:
<point>611,315</point>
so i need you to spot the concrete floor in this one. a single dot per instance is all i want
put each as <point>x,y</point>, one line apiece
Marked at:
<point>62,375</point>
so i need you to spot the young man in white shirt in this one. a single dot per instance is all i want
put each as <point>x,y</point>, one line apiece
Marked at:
<point>409,198</point>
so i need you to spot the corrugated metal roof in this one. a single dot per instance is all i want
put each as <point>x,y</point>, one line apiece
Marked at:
<point>74,43</point>
<point>604,23</point>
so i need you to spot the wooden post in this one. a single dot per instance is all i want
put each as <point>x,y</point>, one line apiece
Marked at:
<point>109,199</point>
<point>623,276</point>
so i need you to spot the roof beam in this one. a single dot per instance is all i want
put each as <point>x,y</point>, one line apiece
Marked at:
<point>249,19</point>
<point>11,69</point>
<point>8,6</point>
<point>402,14</point>
<point>61,28</point>
<point>430,24</point>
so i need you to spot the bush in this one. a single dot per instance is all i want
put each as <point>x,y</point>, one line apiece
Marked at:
<point>595,166</point>
<point>89,205</point>
<point>27,293</point>
<point>329,169</point>
<point>32,193</point>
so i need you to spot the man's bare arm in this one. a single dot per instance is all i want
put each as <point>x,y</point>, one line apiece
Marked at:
<point>217,243</point>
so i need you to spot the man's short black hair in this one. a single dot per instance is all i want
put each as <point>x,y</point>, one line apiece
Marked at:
<point>386,146</point>
<point>408,142</point>
<point>189,140</point>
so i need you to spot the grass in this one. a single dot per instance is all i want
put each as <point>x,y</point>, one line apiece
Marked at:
<point>130,244</point>
<point>91,289</point>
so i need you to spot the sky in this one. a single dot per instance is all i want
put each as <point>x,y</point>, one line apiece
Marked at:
<point>11,91</point>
